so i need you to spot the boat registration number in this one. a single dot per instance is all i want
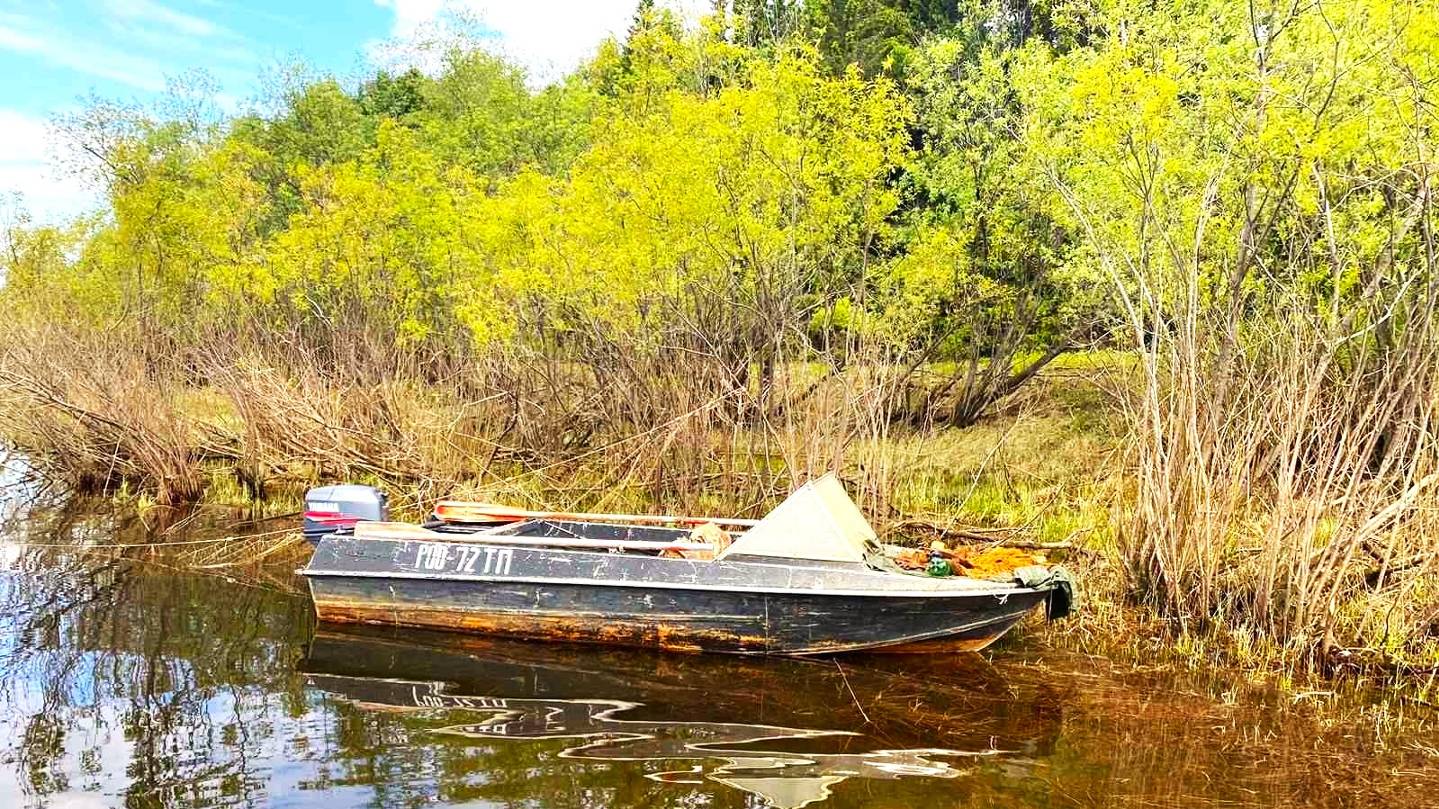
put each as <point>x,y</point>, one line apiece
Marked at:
<point>442,557</point>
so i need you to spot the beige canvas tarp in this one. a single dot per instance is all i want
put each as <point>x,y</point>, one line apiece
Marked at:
<point>818,521</point>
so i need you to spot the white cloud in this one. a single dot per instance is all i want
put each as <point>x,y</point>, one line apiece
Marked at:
<point>177,37</point>
<point>27,167</point>
<point>411,16</point>
<point>61,48</point>
<point>152,33</point>
<point>548,37</point>
<point>155,13</point>
<point>138,44</point>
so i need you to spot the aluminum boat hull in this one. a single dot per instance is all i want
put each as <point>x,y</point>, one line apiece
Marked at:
<point>740,605</point>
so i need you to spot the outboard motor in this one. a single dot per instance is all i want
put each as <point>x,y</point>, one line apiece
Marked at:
<point>332,508</point>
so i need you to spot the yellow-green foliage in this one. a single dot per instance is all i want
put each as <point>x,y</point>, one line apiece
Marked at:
<point>1172,146</point>
<point>683,176</point>
<point>744,198</point>
<point>707,176</point>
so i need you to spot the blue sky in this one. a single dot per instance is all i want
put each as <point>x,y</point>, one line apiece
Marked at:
<point>56,53</point>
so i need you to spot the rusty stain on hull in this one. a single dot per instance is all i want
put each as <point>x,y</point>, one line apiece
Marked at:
<point>946,645</point>
<point>574,628</point>
<point>678,637</point>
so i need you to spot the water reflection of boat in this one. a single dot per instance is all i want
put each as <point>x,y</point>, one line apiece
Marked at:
<point>785,730</point>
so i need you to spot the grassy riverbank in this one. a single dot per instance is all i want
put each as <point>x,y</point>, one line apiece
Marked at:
<point>1052,465</point>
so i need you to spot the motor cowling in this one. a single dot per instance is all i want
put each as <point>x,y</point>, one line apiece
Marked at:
<point>333,508</point>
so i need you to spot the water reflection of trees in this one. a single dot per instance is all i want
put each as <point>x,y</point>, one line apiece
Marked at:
<point>108,661</point>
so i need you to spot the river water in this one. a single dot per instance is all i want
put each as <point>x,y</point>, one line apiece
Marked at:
<point>126,682</point>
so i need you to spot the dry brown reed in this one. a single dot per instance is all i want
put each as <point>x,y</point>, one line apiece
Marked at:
<point>1282,468</point>
<point>1280,481</point>
<point>96,414</point>
<point>677,429</point>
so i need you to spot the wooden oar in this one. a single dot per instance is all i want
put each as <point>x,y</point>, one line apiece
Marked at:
<point>465,511</point>
<point>366,529</point>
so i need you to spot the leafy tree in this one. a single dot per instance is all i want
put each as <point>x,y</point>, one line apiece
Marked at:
<point>709,223</point>
<point>393,96</point>
<point>989,259</point>
<point>1256,200</point>
<point>876,35</point>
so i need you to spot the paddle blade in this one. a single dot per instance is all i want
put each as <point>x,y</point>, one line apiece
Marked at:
<point>456,511</point>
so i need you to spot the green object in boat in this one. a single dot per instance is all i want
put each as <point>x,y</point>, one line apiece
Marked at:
<point>938,566</point>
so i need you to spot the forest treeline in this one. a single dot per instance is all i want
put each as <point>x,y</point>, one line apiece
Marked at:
<point>720,256</point>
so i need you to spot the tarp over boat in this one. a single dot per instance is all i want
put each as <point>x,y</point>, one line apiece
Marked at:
<point>818,521</point>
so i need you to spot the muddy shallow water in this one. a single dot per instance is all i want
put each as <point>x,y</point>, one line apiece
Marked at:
<point>125,682</point>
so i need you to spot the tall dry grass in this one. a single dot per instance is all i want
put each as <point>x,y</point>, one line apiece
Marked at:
<point>647,426</point>
<point>1282,481</point>
<point>98,414</point>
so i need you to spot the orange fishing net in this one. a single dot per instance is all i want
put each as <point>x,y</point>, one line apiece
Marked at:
<point>978,563</point>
